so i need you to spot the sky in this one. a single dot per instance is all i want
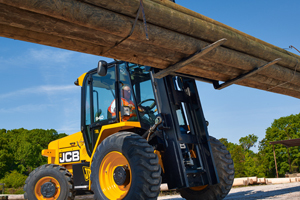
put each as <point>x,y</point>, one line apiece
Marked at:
<point>38,91</point>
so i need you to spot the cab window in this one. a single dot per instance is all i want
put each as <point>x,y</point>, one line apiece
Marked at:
<point>100,105</point>
<point>142,85</point>
<point>128,105</point>
<point>104,105</point>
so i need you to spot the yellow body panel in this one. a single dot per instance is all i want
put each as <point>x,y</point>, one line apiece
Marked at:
<point>52,159</point>
<point>48,152</point>
<point>62,151</point>
<point>63,148</point>
<point>71,140</point>
<point>110,129</point>
<point>80,79</point>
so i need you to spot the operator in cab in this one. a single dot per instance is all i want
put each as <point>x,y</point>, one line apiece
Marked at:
<point>126,104</point>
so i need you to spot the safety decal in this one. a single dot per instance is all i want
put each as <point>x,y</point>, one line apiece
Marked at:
<point>86,172</point>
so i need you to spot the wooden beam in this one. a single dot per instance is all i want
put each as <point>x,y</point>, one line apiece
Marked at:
<point>42,23</point>
<point>179,19</point>
<point>99,22</point>
<point>289,158</point>
<point>165,46</point>
<point>275,161</point>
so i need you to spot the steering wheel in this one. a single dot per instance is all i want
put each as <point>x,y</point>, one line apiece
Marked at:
<point>148,110</point>
<point>146,100</point>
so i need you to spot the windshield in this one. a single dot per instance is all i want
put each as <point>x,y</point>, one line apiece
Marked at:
<point>143,90</point>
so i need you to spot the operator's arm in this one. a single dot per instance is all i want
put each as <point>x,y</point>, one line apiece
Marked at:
<point>112,108</point>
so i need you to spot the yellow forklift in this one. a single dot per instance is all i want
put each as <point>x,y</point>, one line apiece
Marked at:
<point>137,131</point>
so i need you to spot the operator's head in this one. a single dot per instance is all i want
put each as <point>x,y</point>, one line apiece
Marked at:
<point>126,92</point>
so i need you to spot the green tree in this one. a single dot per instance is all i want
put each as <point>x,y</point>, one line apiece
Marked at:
<point>20,149</point>
<point>248,141</point>
<point>246,162</point>
<point>283,128</point>
<point>253,165</point>
<point>6,153</point>
<point>237,155</point>
<point>13,179</point>
<point>28,155</point>
<point>238,158</point>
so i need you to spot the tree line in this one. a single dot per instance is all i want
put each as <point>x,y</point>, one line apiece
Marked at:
<point>20,151</point>
<point>248,163</point>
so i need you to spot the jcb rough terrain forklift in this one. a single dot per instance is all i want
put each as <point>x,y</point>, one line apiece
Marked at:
<point>136,133</point>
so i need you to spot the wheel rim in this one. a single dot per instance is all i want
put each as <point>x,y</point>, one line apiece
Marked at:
<point>106,175</point>
<point>199,188</point>
<point>41,182</point>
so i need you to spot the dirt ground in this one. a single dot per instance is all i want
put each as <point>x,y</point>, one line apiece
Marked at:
<point>290,191</point>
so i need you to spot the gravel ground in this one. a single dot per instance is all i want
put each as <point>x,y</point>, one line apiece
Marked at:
<point>289,191</point>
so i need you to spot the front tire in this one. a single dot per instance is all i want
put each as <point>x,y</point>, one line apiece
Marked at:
<point>49,182</point>
<point>124,166</point>
<point>225,168</point>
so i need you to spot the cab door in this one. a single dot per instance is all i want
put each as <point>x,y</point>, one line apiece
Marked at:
<point>99,100</point>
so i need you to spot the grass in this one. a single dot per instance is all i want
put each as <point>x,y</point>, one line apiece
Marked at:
<point>13,191</point>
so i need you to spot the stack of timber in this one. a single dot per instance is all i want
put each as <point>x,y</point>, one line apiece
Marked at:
<point>293,175</point>
<point>261,180</point>
<point>254,180</point>
<point>241,181</point>
<point>278,180</point>
<point>174,33</point>
<point>248,181</point>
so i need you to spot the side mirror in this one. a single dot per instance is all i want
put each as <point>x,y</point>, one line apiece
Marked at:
<point>102,68</point>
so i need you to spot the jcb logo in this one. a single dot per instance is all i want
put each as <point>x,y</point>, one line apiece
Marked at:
<point>69,156</point>
<point>86,173</point>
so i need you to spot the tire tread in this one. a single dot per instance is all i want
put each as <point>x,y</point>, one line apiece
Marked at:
<point>63,171</point>
<point>149,171</point>
<point>225,168</point>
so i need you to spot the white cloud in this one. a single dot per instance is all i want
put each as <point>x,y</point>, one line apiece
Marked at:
<point>69,129</point>
<point>38,58</point>
<point>57,56</point>
<point>8,62</point>
<point>44,89</point>
<point>26,108</point>
<point>70,116</point>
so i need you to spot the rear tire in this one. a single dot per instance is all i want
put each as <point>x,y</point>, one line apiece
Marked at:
<point>129,152</point>
<point>51,182</point>
<point>225,168</point>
